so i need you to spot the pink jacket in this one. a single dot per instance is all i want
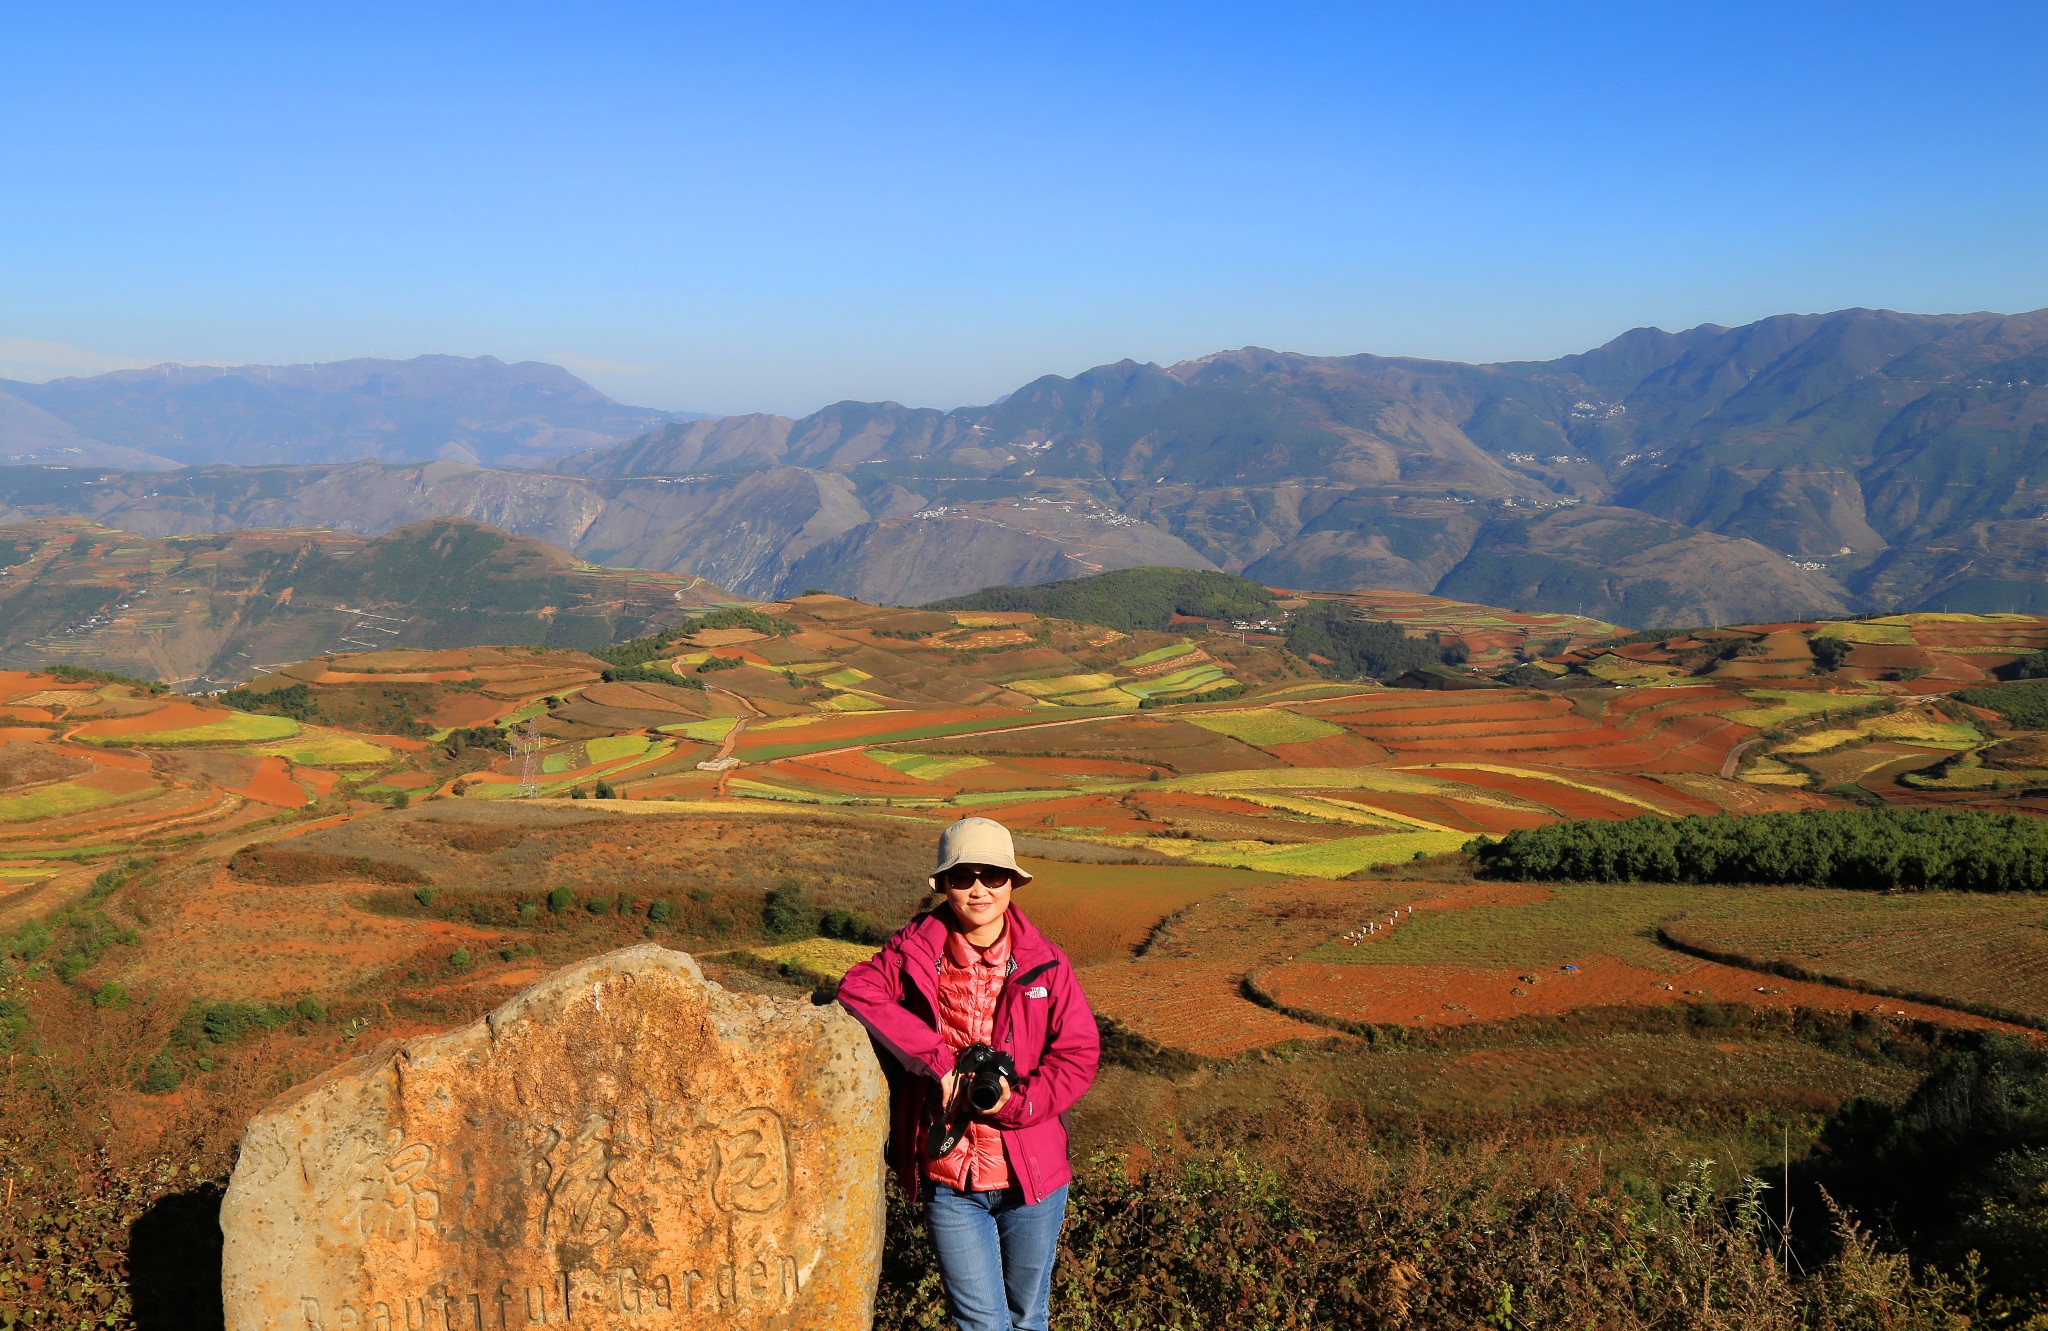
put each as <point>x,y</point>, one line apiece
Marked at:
<point>1042,1021</point>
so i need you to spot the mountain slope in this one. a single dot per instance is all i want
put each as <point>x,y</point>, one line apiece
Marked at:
<point>1860,459</point>
<point>201,610</point>
<point>465,409</point>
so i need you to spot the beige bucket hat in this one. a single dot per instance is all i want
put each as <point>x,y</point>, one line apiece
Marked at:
<point>977,841</point>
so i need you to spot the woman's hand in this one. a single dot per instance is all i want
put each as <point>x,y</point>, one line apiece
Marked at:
<point>949,1086</point>
<point>997,1107</point>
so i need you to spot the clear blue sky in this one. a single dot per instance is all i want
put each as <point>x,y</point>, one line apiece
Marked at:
<point>778,206</point>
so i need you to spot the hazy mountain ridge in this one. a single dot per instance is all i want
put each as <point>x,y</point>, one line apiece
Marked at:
<point>470,409</point>
<point>1804,464</point>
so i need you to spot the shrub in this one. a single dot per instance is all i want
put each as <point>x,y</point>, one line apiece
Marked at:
<point>163,1074</point>
<point>852,926</point>
<point>110,995</point>
<point>598,905</point>
<point>603,791</point>
<point>310,1009</point>
<point>1829,651</point>
<point>459,958</point>
<point>559,899</point>
<point>424,895</point>
<point>785,914</point>
<point>661,912</point>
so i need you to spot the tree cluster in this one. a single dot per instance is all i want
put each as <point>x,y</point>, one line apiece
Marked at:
<point>1360,648</point>
<point>1129,599</point>
<point>1868,849</point>
<point>2021,704</point>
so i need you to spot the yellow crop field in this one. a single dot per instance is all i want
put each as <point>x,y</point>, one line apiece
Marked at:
<point>1319,859</point>
<point>819,958</point>
<point>1056,685</point>
<point>926,766</point>
<point>1266,725</point>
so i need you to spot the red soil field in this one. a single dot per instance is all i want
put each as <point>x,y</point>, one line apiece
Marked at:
<point>1569,801</point>
<point>467,709</point>
<point>272,784</point>
<point>393,676</point>
<point>116,781</point>
<point>855,727</point>
<point>409,781</point>
<point>852,773</point>
<point>1102,912</point>
<point>1457,995</point>
<point>1891,657</point>
<point>23,713</point>
<point>127,762</point>
<point>24,735</point>
<point>1078,767</point>
<point>1447,812</point>
<point>1330,751</point>
<point>174,715</point>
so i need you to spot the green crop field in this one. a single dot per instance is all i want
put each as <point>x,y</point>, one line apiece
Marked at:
<point>1157,654</point>
<point>234,728</point>
<point>54,801</point>
<point>317,747</point>
<point>845,678</point>
<point>926,766</point>
<point>1191,680</point>
<point>1776,706</point>
<point>611,748</point>
<point>1323,859</point>
<point>708,731</point>
<point>1266,725</point>
<point>1964,949</point>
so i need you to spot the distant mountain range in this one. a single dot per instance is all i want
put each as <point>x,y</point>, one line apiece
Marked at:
<point>1801,465</point>
<point>476,410</point>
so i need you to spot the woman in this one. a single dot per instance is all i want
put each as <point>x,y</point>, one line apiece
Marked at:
<point>993,1181</point>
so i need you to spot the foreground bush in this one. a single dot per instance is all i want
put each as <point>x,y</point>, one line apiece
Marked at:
<point>1871,849</point>
<point>1318,1232</point>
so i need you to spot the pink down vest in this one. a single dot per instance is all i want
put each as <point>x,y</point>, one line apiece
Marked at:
<point>969,982</point>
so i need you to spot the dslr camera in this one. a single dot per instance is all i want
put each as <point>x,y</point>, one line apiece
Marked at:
<point>982,1071</point>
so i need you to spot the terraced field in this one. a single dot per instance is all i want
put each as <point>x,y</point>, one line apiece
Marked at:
<point>1979,952</point>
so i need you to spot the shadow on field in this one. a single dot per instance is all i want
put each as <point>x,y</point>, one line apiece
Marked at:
<point>174,1263</point>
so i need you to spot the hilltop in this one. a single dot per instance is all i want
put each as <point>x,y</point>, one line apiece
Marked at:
<point>1802,465</point>
<point>205,610</point>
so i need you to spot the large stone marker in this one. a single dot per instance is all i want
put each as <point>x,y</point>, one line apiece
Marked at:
<point>624,1144</point>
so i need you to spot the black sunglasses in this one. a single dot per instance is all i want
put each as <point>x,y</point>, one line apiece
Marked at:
<point>967,875</point>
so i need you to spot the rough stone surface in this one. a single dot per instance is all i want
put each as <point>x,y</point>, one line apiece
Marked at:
<point>624,1144</point>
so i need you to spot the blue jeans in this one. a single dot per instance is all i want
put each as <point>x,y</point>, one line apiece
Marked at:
<point>995,1254</point>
